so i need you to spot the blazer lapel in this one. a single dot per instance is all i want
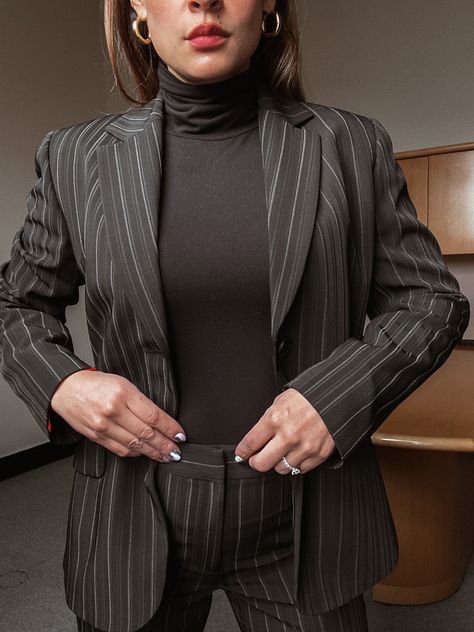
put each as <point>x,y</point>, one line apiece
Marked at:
<point>130,175</point>
<point>291,163</point>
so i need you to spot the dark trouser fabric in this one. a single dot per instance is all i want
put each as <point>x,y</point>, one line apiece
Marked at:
<point>231,527</point>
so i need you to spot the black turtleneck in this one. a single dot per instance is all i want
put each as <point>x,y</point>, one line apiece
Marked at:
<point>213,245</point>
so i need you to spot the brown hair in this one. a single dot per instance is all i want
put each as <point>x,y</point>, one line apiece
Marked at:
<point>277,59</point>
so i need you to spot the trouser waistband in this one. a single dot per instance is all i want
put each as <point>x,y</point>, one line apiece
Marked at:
<point>211,461</point>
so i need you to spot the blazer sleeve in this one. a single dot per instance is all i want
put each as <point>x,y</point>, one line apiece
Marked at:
<point>417,314</point>
<point>36,285</point>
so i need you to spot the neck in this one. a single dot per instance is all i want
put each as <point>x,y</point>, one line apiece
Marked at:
<point>212,110</point>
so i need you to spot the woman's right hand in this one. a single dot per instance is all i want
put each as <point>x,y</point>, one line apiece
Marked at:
<point>111,411</point>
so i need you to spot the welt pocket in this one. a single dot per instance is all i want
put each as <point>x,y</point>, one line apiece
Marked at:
<point>153,350</point>
<point>89,458</point>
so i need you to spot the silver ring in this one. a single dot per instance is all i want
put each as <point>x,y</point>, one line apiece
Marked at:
<point>294,470</point>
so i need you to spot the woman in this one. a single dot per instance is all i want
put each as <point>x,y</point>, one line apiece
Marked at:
<point>282,224</point>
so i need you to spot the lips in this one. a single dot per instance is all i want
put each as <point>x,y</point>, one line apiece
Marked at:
<point>206,30</point>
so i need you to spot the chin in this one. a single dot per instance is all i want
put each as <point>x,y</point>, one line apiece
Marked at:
<point>209,72</point>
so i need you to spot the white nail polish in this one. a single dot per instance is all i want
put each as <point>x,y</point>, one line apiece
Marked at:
<point>238,458</point>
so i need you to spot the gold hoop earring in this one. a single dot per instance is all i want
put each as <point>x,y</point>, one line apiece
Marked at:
<point>277,28</point>
<point>136,29</point>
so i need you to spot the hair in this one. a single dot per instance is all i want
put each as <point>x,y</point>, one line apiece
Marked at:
<point>277,59</point>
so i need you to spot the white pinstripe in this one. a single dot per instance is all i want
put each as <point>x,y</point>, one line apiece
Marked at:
<point>348,247</point>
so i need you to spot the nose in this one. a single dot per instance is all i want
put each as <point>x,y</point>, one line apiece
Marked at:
<point>205,5</point>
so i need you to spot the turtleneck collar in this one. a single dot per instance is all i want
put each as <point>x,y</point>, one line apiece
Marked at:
<point>214,110</point>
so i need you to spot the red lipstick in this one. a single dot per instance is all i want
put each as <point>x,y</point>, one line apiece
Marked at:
<point>207,35</point>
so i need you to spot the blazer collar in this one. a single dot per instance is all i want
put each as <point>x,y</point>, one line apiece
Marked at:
<point>135,121</point>
<point>130,175</point>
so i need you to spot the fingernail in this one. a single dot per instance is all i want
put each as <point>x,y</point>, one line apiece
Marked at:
<point>180,436</point>
<point>175,455</point>
<point>238,458</point>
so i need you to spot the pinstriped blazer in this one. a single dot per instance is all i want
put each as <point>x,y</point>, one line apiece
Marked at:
<point>344,243</point>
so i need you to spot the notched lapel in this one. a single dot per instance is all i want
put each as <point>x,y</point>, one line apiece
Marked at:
<point>130,176</point>
<point>291,163</point>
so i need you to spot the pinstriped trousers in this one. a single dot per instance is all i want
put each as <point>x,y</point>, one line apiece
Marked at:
<point>231,527</point>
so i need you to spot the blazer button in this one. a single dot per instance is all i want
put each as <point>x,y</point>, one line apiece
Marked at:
<point>283,347</point>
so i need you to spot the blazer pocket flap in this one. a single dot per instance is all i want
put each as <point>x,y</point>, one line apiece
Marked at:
<point>89,458</point>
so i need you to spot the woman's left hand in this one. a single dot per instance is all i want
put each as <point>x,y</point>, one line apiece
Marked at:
<point>290,427</point>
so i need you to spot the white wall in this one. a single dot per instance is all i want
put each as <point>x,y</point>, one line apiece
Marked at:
<point>409,64</point>
<point>51,75</point>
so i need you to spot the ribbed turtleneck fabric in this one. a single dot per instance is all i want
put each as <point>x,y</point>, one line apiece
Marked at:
<point>214,256</point>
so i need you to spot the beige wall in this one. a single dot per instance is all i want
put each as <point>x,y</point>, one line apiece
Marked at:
<point>51,75</point>
<point>407,64</point>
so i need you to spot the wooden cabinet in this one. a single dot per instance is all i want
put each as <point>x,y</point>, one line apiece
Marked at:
<point>416,173</point>
<point>451,210</point>
<point>440,183</point>
<point>425,448</point>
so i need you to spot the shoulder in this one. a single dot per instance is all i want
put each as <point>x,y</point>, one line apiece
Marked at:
<point>336,121</point>
<point>356,132</point>
<point>84,137</point>
<point>85,133</point>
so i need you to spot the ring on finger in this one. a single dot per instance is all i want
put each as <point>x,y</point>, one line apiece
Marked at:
<point>294,470</point>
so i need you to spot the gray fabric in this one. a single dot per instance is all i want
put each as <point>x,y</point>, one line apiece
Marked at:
<point>254,615</point>
<point>231,527</point>
<point>344,241</point>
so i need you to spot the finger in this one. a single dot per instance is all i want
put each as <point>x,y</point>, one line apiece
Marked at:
<point>131,445</point>
<point>295,456</point>
<point>145,438</point>
<point>133,434</point>
<point>309,464</point>
<point>257,437</point>
<point>270,455</point>
<point>303,460</point>
<point>152,415</point>
<point>120,450</point>
<point>292,459</point>
<point>306,465</point>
